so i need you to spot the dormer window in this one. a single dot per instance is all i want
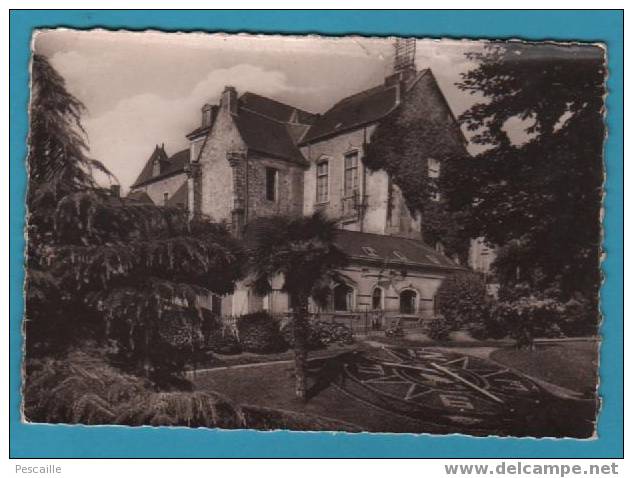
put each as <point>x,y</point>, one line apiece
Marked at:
<point>369,251</point>
<point>207,110</point>
<point>156,168</point>
<point>400,256</point>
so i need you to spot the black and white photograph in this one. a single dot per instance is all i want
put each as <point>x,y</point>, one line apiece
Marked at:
<point>311,233</point>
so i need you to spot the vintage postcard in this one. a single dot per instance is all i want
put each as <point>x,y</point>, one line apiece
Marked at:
<point>307,233</point>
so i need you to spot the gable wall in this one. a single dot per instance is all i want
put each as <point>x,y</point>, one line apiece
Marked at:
<point>216,195</point>
<point>169,185</point>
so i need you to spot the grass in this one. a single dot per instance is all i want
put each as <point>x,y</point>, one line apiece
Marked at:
<point>272,385</point>
<point>572,365</point>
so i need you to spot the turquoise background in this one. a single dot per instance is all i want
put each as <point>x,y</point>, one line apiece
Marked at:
<point>47,441</point>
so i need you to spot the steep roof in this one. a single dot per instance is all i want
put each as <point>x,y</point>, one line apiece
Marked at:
<point>396,251</point>
<point>267,136</point>
<point>168,166</point>
<point>140,197</point>
<point>180,198</point>
<point>357,110</point>
<point>275,109</point>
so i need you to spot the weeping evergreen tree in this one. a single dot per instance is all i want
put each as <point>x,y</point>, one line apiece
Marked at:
<point>302,251</point>
<point>104,268</point>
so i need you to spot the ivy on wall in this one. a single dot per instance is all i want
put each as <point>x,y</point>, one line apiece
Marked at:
<point>401,145</point>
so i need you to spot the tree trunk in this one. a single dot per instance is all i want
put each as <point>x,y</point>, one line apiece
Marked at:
<point>300,336</point>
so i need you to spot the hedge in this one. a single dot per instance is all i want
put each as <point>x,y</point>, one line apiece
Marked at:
<point>259,333</point>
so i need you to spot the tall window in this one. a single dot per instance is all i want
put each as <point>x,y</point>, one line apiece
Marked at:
<point>408,300</point>
<point>343,297</point>
<point>271,184</point>
<point>322,171</point>
<point>350,178</point>
<point>376,299</point>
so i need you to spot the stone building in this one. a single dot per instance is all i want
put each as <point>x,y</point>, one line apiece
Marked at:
<point>254,156</point>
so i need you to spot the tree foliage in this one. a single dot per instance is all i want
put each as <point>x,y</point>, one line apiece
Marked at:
<point>462,299</point>
<point>536,190</point>
<point>401,145</point>
<point>101,267</point>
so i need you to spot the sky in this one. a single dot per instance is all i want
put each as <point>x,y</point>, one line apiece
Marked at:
<point>146,88</point>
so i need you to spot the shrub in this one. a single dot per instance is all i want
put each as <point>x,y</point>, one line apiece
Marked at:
<point>80,388</point>
<point>333,332</point>
<point>223,341</point>
<point>440,328</point>
<point>527,315</point>
<point>462,299</point>
<point>85,389</point>
<point>581,317</point>
<point>313,341</point>
<point>259,333</point>
<point>321,334</point>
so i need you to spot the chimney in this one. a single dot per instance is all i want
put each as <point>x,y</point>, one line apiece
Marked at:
<point>229,99</point>
<point>206,115</point>
<point>115,190</point>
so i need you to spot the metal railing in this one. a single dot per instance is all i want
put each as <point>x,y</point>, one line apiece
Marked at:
<point>361,321</point>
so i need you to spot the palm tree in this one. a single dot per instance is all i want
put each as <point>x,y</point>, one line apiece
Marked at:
<point>302,251</point>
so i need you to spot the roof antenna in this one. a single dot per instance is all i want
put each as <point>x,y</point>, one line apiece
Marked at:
<point>404,58</point>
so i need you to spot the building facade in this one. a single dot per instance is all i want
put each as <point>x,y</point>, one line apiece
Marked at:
<point>253,156</point>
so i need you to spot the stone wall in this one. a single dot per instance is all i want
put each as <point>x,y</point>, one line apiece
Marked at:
<point>217,191</point>
<point>289,195</point>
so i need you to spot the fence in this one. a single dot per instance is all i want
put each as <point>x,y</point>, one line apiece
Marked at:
<point>361,322</point>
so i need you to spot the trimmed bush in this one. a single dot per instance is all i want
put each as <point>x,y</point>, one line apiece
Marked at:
<point>462,299</point>
<point>321,334</point>
<point>313,341</point>
<point>259,333</point>
<point>440,328</point>
<point>223,341</point>
<point>333,333</point>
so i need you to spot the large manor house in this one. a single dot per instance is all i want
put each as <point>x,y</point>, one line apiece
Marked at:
<point>252,156</point>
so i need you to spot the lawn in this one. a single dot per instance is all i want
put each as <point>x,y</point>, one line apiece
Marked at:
<point>572,365</point>
<point>272,385</point>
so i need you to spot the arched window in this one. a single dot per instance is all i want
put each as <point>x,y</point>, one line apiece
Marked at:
<point>376,298</point>
<point>408,300</point>
<point>343,297</point>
